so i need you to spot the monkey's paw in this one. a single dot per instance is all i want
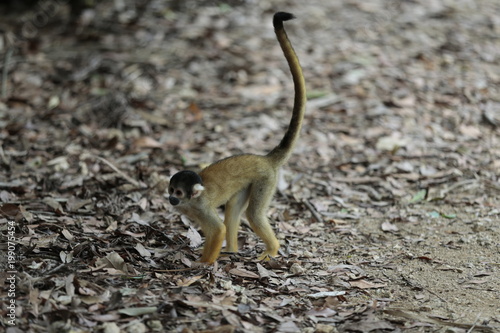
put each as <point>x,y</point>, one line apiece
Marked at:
<point>266,256</point>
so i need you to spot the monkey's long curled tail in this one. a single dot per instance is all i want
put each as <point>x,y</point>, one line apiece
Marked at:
<point>282,152</point>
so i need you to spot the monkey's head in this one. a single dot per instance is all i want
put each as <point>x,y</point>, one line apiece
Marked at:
<point>184,185</point>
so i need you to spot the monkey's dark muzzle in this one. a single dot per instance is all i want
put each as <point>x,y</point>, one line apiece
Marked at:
<point>174,201</point>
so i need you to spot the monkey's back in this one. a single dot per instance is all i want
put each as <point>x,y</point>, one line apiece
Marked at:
<point>238,172</point>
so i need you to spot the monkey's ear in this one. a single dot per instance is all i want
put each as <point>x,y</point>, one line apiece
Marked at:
<point>197,189</point>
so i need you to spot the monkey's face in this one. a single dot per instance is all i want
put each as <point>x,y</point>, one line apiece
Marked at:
<point>175,195</point>
<point>184,185</point>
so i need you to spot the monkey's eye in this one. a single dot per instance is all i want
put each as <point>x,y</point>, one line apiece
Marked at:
<point>178,193</point>
<point>170,190</point>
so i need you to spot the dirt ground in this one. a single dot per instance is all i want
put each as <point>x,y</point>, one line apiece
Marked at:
<point>388,212</point>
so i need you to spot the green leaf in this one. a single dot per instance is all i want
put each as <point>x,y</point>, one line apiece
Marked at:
<point>434,214</point>
<point>419,196</point>
<point>317,94</point>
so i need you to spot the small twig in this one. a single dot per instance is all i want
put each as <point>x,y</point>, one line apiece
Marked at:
<point>175,270</point>
<point>468,184</point>
<point>474,324</point>
<point>313,211</point>
<point>419,286</point>
<point>55,269</point>
<point>5,159</point>
<point>492,185</point>
<point>5,71</point>
<point>435,294</point>
<point>118,171</point>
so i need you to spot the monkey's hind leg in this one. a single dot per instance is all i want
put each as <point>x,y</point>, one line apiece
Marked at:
<point>232,219</point>
<point>260,197</point>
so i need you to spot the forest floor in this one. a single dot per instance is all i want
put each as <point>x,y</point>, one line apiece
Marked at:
<point>388,212</point>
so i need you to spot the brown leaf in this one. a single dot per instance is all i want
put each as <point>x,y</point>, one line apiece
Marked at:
<point>54,204</point>
<point>363,284</point>
<point>113,260</point>
<point>243,273</point>
<point>147,142</point>
<point>74,204</point>
<point>9,210</point>
<point>195,111</point>
<point>188,281</point>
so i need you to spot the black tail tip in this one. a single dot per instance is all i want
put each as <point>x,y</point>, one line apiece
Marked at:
<point>280,17</point>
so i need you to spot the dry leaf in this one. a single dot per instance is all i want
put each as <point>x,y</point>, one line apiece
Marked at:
<point>142,250</point>
<point>479,281</point>
<point>243,273</point>
<point>67,234</point>
<point>110,328</point>
<point>139,311</point>
<point>387,226</point>
<point>188,281</point>
<point>326,312</point>
<point>323,294</point>
<point>363,284</point>
<point>54,204</point>
<point>147,142</point>
<point>194,237</point>
<point>392,143</point>
<point>66,257</point>
<point>9,210</point>
<point>74,204</point>
<point>113,260</point>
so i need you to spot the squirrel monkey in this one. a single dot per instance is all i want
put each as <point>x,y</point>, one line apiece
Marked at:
<point>242,182</point>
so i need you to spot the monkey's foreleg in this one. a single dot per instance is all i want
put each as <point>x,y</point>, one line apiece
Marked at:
<point>215,232</point>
